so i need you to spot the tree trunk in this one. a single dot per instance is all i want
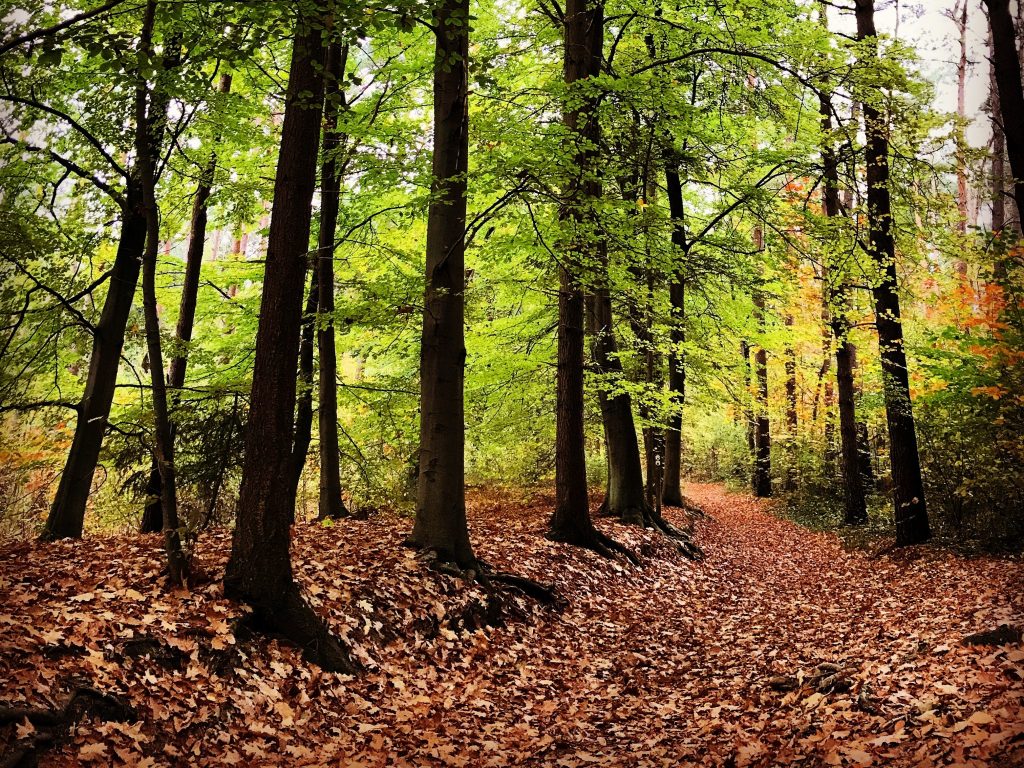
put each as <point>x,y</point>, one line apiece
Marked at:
<point>440,523</point>
<point>571,522</point>
<point>672,492</point>
<point>302,433</point>
<point>762,478</point>
<point>834,308</point>
<point>150,119</point>
<point>332,506</point>
<point>152,517</point>
<point>998,158</point>
<point>260,570</point>
<point>908,493</point>
<point>1006,63</point>
<point>624,497</point>
<point>748,412</point>
<point>791,413</point>
<point>960,18</point>
<point>67,513</point>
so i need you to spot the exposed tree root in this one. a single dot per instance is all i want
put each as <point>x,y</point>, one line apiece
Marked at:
<point>597,542</point>
<point>291,618</point>
<point>484,574</point>
<point>53,725</point>
<point>648,517</point>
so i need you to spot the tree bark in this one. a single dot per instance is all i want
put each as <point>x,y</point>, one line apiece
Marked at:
<point>571,522</point>
<point>1007,66</point>
<point>960,18</point>
<point>762,476</point>
<point>748,412</point>
<point>332,506</point>
<point>152,517</point>
<point>908,493</point>
<point>67,513</point>
<point>624,497</point>
<point>791,412</point>
<point>150,119</point>
<point>302,433</point>
<point>440,523</point>
<point>259,571</point>
<point>854,507</point>
<point>672,491</point>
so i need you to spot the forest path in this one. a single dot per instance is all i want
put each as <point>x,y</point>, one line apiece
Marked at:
<point>693,656</point>
<point>670,664</point>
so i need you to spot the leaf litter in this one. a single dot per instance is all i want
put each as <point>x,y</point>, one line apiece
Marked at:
<point>781,648</point>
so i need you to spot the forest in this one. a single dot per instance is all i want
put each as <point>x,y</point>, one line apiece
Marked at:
<point>532,382</point>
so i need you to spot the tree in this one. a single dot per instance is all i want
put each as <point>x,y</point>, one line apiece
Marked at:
<point>152,516</point>
<point>150,117</point>
<point>440,524</point>
<point>259,571</point>
<point>908,491</point>
<point>584,36</point>
<point>834,289</point>
<point>332,506</point>
<point>1007,69</point>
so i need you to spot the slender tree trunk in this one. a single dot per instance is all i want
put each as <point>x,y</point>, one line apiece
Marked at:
<point>748,412</point>
<point>998,158</point>
<point>762,478</point>
<point>829,393</point>
<point>260,570</point>
<point>908,493</point>
<point>332,506</point>
<point>152,516</point>
<point>791,412</point>
<point>150,118</point>
<point>672,494</point>
<point>762,481</point>
<point>67,513</point>
<point>302,433</point>
<point>960,18</point>
<point>854,507</point>
<point>440,499</point>
<point>1007,66</point>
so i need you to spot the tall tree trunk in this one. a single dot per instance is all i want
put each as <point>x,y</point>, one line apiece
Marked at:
<point>152,517</point>
<point>259,572</point>
<point>1007,65</point>
<point>762,477</point>
<point>150,119</point>
<point>960,18</point>
<point>829,393</point>
<point>440,498</point>
<point>791,412</point>
<point>908,493</point>
<point>67,512</point>
<point>998,158</point>
<point>748,411</point>
<point>672,493</point>
<point>834,307</point>
<point>302,433</point>
<point>331,504</point>
<point>571,522</point>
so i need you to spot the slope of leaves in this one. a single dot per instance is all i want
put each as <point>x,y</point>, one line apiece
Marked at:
<point>674,663</point>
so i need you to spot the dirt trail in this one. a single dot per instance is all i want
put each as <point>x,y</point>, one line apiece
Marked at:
<point>671,664</point>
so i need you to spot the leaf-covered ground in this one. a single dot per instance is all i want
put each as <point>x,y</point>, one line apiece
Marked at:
<point>674,663</point>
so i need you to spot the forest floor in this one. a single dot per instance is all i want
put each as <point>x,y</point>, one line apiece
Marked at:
<point>674,663</point>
